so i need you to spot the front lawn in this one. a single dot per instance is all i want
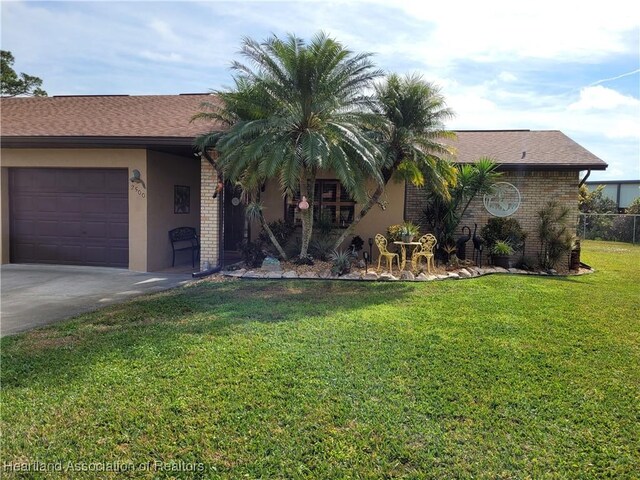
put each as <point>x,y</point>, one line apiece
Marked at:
<point>494,377</point>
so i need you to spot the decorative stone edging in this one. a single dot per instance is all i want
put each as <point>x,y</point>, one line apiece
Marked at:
<point>405,275</point>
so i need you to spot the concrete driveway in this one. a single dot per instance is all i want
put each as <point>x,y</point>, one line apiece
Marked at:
<point>36,295</point>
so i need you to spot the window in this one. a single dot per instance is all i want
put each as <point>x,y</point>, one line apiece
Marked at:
<point>332,201</point>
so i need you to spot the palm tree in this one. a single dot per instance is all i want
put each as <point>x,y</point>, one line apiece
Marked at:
<point>412,138</point>
<point>298,108</point>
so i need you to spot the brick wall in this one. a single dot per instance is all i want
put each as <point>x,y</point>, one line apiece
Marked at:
<point>536,189</point>
<point>209,216</point>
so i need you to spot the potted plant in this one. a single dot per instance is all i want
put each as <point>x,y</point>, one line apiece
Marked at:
<point>501,253</point>
<point>407,231</point>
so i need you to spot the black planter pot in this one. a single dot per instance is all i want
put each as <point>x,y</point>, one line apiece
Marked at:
<point>503,261</point>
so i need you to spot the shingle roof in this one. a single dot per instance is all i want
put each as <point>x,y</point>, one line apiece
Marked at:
<point>524,148</point>
<point>103,116</point>
<point>167,117</point>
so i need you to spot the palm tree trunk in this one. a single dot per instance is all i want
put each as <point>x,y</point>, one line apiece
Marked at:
<point>307,189</point>
<point>272,237</point>
<point>365,209</point>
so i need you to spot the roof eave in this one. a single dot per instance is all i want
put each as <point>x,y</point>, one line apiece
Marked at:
<point>94,141</point>
<point>549,166</point>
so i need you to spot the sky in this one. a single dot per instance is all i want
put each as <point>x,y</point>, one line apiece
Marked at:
<point>562,65</point>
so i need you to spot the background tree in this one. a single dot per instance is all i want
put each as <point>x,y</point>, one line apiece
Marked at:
<point>411,138</point>
<point>304,108</point>
<point>12,84</point>
<point>595,202</point>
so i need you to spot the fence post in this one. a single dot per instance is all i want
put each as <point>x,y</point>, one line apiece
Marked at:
<point>584,226</point>
<point>635,217</point>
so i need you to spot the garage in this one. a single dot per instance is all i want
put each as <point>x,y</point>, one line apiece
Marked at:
<point>73,216</point>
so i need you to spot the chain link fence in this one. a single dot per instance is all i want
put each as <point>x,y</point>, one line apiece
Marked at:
<point>617,227</point>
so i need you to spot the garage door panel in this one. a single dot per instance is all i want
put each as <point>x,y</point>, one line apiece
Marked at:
<point>46,203</point>
<point>95,230</point>
<point>69,203</point>
<point>120,204</point>
<point>119,230</point>
<point>24,250</point>
<point>69,216</point>
<point>22,230</point>
<point>94,205</point>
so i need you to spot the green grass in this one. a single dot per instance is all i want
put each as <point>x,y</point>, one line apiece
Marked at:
<point>494,377</point>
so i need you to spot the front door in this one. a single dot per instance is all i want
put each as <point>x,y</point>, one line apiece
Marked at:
<point>233,217</point>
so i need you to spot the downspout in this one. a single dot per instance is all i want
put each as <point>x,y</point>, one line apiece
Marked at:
<point>217,268</point>
<point>584,179</point>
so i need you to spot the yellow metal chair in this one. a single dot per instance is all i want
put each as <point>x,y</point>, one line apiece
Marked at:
<point>427,244</point>
<point>381,243</point>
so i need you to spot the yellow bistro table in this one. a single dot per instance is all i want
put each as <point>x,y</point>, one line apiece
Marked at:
<point>403,251</point>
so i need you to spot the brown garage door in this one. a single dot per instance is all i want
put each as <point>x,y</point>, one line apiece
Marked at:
<point>76,216</point>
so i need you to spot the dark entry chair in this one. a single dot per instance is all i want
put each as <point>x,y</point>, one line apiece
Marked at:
<point>183,239</point>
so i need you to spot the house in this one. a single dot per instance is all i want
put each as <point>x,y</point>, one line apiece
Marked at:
<point>100,180</point>
<point>537,166</point>
<point>66,168</point>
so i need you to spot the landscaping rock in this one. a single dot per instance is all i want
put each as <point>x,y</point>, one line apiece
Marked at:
<point>407,275</point>
<point>500,270</point>
<point>236,273</point>
<point>370,276</point>
<point>273,275</point>
<point>289,274</point>
<point>421,277</point>
<point>464,273</point>
<point>308,275</point>
<point>453,275</point>
<point>442,276</point>
<point>253,274</point>
<point>325,274</point>
<point>351,276</point>
<point>271,264</point>
<point>387,277</point>
<point>361,264</point>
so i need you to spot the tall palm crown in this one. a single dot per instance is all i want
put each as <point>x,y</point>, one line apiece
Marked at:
<point>413,140</point>
<point>298,108</point>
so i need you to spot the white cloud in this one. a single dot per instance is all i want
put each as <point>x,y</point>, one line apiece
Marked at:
<point>507,77</point>
<point>603,98</point>
<point>501,30</point>
<point>161,57</point>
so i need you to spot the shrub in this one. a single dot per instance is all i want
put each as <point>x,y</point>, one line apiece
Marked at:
<point>357,243</point>
<point>252,253</point>
<point>506,230</point>
<point>281,230</point>
<point>321,247</point>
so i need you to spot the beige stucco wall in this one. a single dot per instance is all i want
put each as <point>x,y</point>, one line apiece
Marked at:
<point>164,172</point>
<point>85,158</point>
<point>376,221</point>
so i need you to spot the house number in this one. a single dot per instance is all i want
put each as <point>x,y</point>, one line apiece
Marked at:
<point>138,191</point>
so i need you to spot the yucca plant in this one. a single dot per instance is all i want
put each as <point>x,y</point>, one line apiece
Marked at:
<point>341,260</point>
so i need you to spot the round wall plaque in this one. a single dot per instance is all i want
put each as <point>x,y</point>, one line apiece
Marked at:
<point>503,200</point>
<point>235,201</point>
